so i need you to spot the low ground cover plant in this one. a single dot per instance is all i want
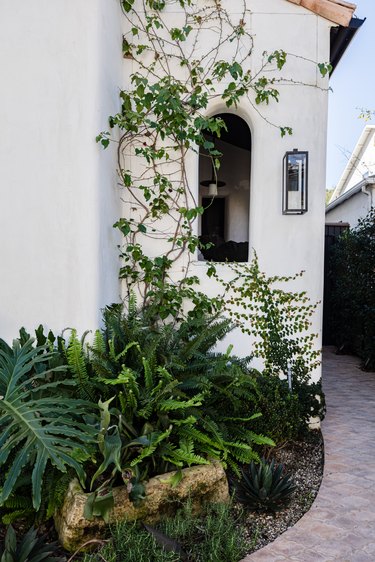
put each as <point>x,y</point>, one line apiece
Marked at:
<point>215,536</point>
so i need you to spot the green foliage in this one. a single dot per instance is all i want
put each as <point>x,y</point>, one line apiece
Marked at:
<point>279,319</point>
<point>325,68</point>
<point>286,414</point>
<point>177,403</point>
<point>38,426</point>
<point>264,487</point>
<point>353,295</point>
<point>213,537</point>
<point>281,415</point>
<point>19,504</point>
<point>163,117</point>
<point>31,548</point>
<point>77,365</point>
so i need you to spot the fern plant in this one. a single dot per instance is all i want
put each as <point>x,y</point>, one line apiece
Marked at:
<point>37,426</point>
<point>19,505</point>
<point>170,401</point>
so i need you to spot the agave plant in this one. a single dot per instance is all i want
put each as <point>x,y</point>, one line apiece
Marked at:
<point>38,424</point>
<point>31,548</point>
<point>264,487</point>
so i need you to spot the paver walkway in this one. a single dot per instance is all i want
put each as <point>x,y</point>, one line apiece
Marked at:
<point>340,526</point>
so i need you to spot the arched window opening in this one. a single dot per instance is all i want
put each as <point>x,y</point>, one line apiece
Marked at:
<point>226,199</point>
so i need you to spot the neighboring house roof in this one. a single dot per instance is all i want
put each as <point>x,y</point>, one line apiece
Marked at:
<point>360,163</point>
<point>337,11</point>
<point>361,186</point>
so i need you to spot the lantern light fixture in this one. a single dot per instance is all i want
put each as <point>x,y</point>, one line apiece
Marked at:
<point>213,184</point>
<point>295,182</point>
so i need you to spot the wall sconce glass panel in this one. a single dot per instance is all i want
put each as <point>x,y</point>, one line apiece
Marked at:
<point>295,182</point>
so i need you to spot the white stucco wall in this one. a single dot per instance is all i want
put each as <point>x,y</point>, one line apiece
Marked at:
<point>60,70</point>
<point>285,244</point>
<point>353,209</point>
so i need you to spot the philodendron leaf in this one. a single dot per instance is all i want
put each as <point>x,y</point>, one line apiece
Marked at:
<point>137,492</point>
<point>111,452</point>
<point>99,504</point>
<point>105,420</point>
<point>35,430</point>
<point>175,479</point>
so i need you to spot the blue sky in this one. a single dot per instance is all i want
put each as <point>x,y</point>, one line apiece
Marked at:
<point>353,84</point>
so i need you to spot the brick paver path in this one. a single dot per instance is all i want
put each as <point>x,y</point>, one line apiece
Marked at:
<point>340,526</point>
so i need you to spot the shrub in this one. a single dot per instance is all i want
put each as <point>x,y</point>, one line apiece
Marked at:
<point>353,293</point>
<point>286,415</point>
<point>171,402</point>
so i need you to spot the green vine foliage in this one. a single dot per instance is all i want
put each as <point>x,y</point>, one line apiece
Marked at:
<point>176,73</point>
<point>279,323</point>
<point>278,319</point>
<point>163,119</point>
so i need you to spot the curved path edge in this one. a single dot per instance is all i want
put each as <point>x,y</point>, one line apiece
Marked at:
<point>340,526</point>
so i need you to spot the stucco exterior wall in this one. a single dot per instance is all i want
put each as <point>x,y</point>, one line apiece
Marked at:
<point>352,209</point>
<point>60,67</point>
<point>285,244</point>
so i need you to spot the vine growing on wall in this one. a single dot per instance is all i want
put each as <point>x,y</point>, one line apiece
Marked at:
<point>183,55</point>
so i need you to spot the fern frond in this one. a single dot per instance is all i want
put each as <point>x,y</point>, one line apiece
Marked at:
<point>77,364</point>
<point>155,439</point>
<point>98,345</point>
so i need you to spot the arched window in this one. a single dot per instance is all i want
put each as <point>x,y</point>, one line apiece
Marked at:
<point>226,202</point>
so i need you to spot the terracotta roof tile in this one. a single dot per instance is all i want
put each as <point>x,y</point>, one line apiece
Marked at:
<point>337,11</point>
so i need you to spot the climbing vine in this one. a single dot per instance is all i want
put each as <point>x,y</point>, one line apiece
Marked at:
<point>183,56</point>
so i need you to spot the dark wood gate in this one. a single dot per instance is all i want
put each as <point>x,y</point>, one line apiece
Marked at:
<point>333,231</point>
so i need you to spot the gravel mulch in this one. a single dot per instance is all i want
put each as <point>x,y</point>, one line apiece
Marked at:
<point>305,461</point>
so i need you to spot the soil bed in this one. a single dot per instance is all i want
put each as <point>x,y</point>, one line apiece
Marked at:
<point>305,461</point>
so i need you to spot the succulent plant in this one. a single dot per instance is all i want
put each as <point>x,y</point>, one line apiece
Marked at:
<point>31,548</point>
<point>264,487</point>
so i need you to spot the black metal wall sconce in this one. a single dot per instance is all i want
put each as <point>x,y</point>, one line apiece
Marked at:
<point>295,182</point>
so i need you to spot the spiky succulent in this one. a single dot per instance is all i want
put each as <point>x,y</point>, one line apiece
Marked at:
<point>31,548</point>
<point>264,487</point>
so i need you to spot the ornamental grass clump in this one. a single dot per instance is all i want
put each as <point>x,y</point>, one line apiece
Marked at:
<point>265,487</point>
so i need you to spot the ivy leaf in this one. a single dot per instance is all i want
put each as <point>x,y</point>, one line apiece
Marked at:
<point>325,68</point>
<point>127,5</point>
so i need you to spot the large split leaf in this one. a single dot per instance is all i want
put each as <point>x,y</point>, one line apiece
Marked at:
<point>38,423</point>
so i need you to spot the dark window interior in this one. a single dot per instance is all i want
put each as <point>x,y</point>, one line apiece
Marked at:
<point>213,219</point>
<point>225,221</point>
